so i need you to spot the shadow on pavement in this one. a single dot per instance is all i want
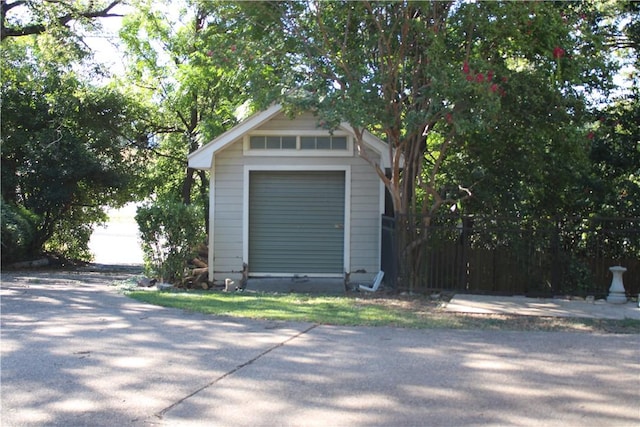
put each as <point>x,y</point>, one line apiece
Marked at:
<point>76,352</point>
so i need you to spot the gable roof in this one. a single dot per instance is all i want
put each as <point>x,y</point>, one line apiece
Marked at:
<point>202,158</point>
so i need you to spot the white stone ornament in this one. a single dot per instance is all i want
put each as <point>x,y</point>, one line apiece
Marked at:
<point>616,291</point>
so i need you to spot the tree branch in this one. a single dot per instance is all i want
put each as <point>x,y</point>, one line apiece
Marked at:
<point>62,20</point>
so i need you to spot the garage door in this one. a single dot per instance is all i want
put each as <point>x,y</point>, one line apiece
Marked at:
<point>296,222</point>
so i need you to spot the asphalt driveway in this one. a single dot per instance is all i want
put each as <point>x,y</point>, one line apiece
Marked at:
<point>77,353</point>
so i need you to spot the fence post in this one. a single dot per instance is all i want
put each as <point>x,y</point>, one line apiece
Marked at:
<point>389,253</point>
<point>556,263</point>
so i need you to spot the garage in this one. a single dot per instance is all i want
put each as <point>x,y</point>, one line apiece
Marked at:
<point>296,222</point>
<point>288,198</point>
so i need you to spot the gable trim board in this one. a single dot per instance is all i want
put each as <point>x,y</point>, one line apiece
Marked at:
<point>212,218</point>
<point>246,211</point>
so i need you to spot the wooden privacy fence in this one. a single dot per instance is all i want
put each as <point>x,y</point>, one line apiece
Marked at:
<point>489,255</point>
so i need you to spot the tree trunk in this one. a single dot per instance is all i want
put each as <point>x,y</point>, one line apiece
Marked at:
<point>187,185</point>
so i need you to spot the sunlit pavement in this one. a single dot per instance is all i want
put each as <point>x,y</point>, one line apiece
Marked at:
<point>551,307</point>
<point>77,353</point>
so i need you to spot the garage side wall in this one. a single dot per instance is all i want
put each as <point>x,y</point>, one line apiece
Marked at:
<point>227,213</point>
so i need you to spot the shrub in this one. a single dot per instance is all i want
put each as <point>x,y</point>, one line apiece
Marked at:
<point>18,232</point>
<point>170,232</point>
<point>71,235</point>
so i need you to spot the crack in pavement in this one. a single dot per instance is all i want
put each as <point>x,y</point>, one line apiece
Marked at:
<point>162,413</point>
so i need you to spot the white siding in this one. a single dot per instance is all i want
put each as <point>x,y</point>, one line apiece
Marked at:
<point>365,204</point>
<point>365,220</point>
<point>227,248</point>
<point>305,121</point>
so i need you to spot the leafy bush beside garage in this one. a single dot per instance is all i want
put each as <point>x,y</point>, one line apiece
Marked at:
<point>170,232</point>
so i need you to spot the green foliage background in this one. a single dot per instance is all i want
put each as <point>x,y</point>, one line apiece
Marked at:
<point>65,149</point>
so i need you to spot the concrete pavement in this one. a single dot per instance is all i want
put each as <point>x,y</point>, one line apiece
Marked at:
<point>77,353</point>
<point>550,307</point>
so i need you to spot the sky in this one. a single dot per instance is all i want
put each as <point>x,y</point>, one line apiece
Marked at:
<point>105,44</point>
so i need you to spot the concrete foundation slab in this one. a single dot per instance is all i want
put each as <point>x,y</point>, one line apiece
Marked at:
<point>310,285</point>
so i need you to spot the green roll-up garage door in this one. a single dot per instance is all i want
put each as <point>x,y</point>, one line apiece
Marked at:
<point>296,222</point>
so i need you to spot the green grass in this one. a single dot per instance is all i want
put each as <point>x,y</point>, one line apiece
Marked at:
<point>414,312</point>
<point>285,307</point>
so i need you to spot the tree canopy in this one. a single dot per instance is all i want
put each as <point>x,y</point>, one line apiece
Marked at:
<point>65,148</point>
<point>182,64</point>
<point>435,79</point>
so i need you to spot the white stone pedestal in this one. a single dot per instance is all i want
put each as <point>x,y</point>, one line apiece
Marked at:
<point>616,291</point>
